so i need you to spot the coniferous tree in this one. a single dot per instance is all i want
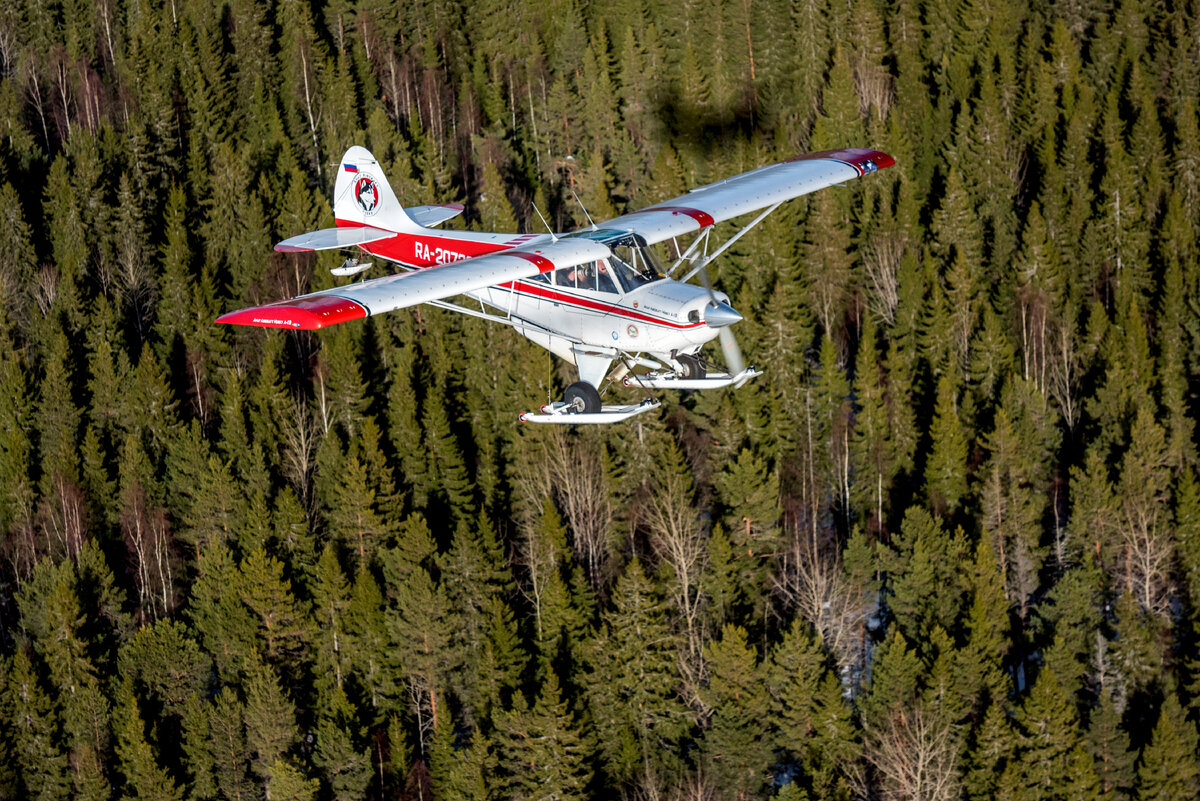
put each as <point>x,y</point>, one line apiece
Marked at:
<point>1109,746</point>
<point>43,767</point>
<point>632,697</point>
<point>284,628</point>
<point>1048,737</point>
<point>1168,766</point>
<point>736,748</point>
<point>924,576</point>
<point>540,751</point>
<point>946,473</point>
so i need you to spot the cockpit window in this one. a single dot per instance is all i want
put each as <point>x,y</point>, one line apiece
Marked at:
<point>634,267</point>
<point>595,275</point>
<point>604,277</point>
<point>566,276</point>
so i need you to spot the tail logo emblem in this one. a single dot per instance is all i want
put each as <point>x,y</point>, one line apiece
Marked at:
<point>366,194</point>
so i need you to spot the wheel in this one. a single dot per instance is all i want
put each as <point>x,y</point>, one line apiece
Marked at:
<point>583,397</point>
<point>690,366</point>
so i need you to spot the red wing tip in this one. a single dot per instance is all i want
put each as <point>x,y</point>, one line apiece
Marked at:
<point>455,206</point>
<point>851,155</point>
<point>882,159</point>
<point>300,314</point>
<point>282,248</point>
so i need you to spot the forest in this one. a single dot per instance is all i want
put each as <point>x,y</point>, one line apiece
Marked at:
<point>946,547</point>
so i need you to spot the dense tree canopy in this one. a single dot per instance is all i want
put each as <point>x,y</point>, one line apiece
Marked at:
<point>947,547</point>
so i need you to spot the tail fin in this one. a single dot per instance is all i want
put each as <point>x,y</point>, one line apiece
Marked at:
<point>362,195</point>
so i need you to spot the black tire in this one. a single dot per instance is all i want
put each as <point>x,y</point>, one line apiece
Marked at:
<point>690,366</point>
<point>583,396</point>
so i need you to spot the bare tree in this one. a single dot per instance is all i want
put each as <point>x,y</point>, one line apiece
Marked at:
<point>677,538</point>
<point>1144,514</point>
<point>148,541</point>
<point>538,557</point>
<point>811,581</point>
<point>8,51</point>
<point>63,518</point>
<point>45,288</point>
<point>301,436</point>
<point>1033,305</point>
<point>33,89</point>
<point>695,787</point>
<point>881,261</point>
<point>199,389</point>
<point>913,753</point>
<point>1064,374</point>
<point>572,472</point>
<point>20,542</point>
<point>1148,552</point>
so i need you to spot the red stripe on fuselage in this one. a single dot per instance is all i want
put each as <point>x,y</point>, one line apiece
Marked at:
<point>547,293</point>
<point>426,251</point>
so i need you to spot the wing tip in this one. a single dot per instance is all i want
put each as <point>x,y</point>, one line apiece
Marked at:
<point>858,156</point>
<point>300,314</point>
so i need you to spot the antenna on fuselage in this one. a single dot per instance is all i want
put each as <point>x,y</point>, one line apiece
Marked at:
<point>553,238</point>
<point>585,211</point>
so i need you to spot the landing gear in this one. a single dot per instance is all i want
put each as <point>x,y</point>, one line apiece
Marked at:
<point>582,397</point>
<point>690,366</point>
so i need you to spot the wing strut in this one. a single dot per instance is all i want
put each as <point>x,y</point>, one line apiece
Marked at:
<point>702,263</point>
<point>702,239</point>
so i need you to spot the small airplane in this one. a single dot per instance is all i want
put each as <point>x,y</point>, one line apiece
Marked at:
<point>594,296</point>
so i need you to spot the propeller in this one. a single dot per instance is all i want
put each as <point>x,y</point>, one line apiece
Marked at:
<point>721,316</point>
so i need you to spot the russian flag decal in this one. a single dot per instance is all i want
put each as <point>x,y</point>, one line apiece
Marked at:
<point>350,167</point>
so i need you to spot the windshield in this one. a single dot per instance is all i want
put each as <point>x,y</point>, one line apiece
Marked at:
<point>634,266</point>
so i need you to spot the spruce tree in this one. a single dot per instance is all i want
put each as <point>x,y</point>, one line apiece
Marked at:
<point>1049,736</point>
<point>946,470</point>
<point>332,644</point>
<point>632,691</point>
<point>33,732</point>
<point>284,627</point>
<point>1109,746</point>
<point>541,753</point>
<point>925,576</point>
<point>227,746</point>
<point>1168,769</point>
<point>144,777</point>
<point>736,748</point>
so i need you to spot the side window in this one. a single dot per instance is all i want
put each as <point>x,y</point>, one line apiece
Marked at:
<point>604,277</point>
<point>541,278</point>
<point>565,277</point>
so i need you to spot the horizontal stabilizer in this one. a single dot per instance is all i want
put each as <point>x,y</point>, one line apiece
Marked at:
<point>429,216</point>
<point>333,239</point>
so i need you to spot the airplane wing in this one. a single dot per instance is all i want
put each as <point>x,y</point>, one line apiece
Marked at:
<point>362,299</point>
<point>750,191</point>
